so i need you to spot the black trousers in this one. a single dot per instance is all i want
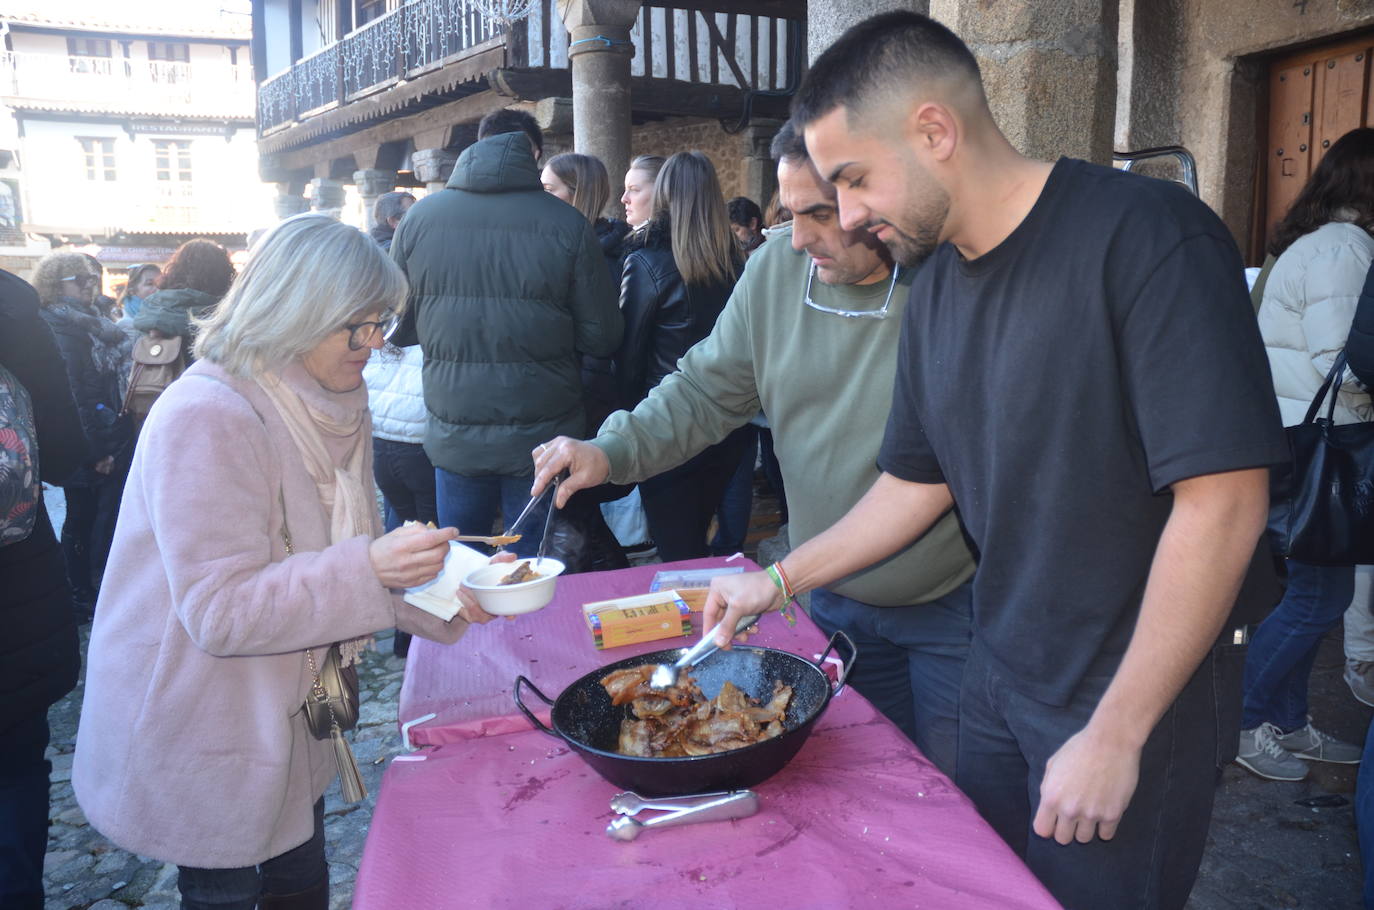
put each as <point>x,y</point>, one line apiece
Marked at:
<point>88,533</point>
<point>679,503</point>
<point>406,479</point>
<point>23,812</point>
<point>299,869</point>
<point>1005,740</point>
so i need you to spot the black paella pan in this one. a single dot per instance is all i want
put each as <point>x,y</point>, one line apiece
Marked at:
<point>584,717</point>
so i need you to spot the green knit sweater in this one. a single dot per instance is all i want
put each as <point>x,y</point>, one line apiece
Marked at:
<point>825,382</point>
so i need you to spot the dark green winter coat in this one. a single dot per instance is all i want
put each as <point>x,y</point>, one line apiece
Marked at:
<point>508,286</point>
<point>171,311</point>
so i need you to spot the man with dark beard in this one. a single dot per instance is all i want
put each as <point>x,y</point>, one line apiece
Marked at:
<point>1081,375</point>
<point>810,333</point>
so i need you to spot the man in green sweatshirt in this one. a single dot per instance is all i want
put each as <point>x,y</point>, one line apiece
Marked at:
<point>810,335</point>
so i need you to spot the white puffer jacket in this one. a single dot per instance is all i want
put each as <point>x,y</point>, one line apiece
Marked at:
<point>1305,318</point>
<point>396,395</point>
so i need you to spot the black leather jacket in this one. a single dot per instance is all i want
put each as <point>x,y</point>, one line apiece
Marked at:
<point>1359,348</point>
<point>664,316</point>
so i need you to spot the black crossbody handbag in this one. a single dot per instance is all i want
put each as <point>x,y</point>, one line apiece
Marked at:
<point>1321,503</point>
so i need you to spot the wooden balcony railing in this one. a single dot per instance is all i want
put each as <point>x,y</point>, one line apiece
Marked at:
<point>749,52</point>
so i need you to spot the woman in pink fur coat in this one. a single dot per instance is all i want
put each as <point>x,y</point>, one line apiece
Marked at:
<point>248,534</point>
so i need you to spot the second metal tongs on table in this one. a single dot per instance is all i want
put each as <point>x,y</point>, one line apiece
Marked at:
<point>680,810</point>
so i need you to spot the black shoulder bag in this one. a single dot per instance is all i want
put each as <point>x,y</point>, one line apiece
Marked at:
<point>1321,504</point>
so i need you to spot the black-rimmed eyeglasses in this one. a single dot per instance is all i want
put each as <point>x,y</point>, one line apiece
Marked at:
<point>880,313</point>
<point>360,334</point>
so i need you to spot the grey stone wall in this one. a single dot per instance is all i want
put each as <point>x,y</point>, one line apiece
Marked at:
<point>827,21</point>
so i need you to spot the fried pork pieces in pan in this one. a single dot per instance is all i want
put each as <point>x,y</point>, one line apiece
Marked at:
<point>680,721</point>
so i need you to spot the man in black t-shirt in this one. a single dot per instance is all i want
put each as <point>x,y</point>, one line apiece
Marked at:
<point>1081,376</point>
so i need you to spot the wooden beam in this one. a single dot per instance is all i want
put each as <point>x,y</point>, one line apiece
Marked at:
<point>668,97</point>
<point>726,49</point>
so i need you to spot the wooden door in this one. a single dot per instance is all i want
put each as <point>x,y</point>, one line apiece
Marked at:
<point>1315,97</point>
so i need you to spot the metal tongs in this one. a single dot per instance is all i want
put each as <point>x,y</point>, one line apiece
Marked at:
<point>678,810</point>
<point>665,675</point>
<point>551,490</point>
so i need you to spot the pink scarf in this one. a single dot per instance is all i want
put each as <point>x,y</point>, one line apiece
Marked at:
<point>344,491</point>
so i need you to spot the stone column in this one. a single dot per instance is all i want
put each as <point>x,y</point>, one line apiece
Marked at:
<point>760,170</point>
<point>433,166</point>
<point>371,183</point>
<point>327,196</point>
<point>290,200</point>
<point>1049,70</point>
<point>599,51</point>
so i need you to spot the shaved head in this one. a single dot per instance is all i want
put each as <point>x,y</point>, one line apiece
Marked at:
<point>890,58</point>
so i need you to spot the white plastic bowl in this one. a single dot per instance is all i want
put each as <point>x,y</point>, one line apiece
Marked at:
<point>512,600</point>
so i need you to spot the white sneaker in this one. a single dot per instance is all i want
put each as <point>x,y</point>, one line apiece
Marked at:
<point>1261,753</point>
<point>1314,745</point>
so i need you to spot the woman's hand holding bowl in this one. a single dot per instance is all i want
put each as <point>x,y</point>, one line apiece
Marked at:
<point>471,610</point>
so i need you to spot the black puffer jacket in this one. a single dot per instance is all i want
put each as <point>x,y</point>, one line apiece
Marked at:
<point>664,316</point>
<point>508,288</point>
<point>94,351</point>
<point>38,653</point>
<point>598,373</point>
<point>1359,348</point>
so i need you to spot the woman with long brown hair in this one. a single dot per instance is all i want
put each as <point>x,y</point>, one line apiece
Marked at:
<point>1324,251</point>
<point>679,272</point>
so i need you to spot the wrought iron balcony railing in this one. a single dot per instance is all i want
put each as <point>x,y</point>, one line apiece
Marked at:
<point>759,53</point>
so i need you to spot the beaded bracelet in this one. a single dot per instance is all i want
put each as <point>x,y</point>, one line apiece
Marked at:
<point>776,573</point>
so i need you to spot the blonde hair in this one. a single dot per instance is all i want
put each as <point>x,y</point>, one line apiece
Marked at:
<point>688,192</point>
<point>586,176</point>
<point>304,279</point>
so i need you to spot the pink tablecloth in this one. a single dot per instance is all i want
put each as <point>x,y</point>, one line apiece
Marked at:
<point>501,815</point>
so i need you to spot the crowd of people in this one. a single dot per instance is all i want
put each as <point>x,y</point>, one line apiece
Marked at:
<point>976,375</point>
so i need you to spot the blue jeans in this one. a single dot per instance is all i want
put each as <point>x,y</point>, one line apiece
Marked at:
<point>1364,816</point>
<point>24,812</point>
<point>910,663</point>
<point>1005,740</point>
<point>737,502</point>
<point>1285,645</point>
<point>472,505</point>
<point>299,869</point>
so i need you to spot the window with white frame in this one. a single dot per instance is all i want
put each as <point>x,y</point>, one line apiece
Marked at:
<point>89,55</point>
<point>99,157</point>
<point>173,160</point>
<point>168,50</point>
